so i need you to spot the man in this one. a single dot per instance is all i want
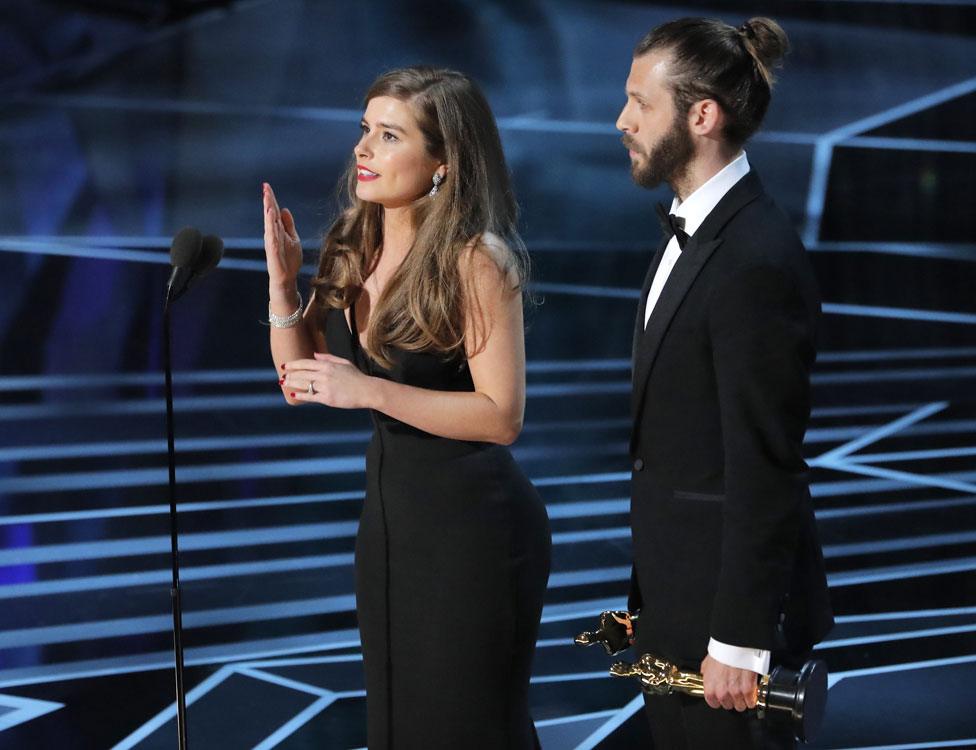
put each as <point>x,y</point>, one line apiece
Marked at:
<point>727,563</point>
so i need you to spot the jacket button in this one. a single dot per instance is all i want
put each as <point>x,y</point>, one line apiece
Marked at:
<point>639,464</point>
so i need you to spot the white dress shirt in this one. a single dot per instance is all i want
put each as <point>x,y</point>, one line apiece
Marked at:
<point>694,210</point>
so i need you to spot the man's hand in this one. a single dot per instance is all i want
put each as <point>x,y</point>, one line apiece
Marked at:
<point>624,618</point>
<point>729,687</point>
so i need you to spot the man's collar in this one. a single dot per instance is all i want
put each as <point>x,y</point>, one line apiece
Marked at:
<point>697,206</point>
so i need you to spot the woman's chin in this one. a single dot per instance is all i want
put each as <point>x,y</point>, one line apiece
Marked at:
<point>365,193</point>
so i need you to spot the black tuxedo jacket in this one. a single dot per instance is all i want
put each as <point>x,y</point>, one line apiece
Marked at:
<point>724,540</point>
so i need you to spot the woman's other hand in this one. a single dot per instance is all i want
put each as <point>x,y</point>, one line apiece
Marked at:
<point>335,382</point>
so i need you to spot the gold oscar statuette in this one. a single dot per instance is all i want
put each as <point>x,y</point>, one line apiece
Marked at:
<point>802,695</point>
<point>613,633</point>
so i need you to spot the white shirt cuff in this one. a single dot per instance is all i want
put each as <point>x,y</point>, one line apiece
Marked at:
<point>754,659</point>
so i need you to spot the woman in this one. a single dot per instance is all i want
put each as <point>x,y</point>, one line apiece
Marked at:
<point>416,314</point>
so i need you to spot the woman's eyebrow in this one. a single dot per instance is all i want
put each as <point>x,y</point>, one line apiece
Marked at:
<point>387,125</point>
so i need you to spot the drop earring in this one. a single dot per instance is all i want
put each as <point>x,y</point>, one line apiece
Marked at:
<point>438,179</point>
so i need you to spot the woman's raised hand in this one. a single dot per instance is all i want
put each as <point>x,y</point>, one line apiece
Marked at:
<point>282,247</point>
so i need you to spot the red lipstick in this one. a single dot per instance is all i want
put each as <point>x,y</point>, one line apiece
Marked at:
<point>364,174</point>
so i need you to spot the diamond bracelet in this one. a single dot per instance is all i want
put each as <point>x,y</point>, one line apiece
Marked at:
<point>291,321</point>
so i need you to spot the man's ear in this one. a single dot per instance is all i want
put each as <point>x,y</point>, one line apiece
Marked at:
<point>705,117</point>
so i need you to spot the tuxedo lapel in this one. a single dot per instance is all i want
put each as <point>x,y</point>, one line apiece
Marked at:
<point>689,264</point>
<point>642,306</point>
<point>696,253</point>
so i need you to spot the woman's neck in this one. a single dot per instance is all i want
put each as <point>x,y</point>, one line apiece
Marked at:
<point>398,232</point>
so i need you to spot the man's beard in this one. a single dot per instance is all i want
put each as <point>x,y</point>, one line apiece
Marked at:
<point>669,158</point>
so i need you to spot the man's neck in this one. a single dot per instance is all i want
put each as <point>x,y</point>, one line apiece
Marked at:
<point>703,167</point>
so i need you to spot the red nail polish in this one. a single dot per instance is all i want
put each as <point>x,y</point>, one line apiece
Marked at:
<point>281,381</point>
<point>282,366</point>
<point>293,395</point>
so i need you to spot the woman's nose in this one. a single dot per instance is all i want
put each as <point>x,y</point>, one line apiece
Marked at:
<point>361,150</point>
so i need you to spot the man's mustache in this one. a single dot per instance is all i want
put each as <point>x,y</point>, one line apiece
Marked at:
<point>630,144</point>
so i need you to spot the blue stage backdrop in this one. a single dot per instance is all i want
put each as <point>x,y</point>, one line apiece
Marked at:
<point>124,120</point>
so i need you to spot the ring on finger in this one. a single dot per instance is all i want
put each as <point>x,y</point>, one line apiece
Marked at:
<point>311,388</point>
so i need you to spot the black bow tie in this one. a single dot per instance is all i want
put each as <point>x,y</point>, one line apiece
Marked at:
<point>672,226</point>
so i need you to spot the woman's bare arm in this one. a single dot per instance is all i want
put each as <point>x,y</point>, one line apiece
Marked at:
<point>283,252</point>
<point>493,412</point>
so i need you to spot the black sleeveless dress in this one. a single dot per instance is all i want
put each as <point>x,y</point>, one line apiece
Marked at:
<point>452,561</point>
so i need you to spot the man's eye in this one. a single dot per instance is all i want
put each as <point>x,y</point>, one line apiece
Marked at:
<point>364,128</point>
<point>389,137</point>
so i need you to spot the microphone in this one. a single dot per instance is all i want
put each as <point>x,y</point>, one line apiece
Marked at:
<point>192,257</point>
<point>211,253</point>
<point>183,255</point>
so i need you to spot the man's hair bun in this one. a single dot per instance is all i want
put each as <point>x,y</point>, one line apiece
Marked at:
<point>768,44</point>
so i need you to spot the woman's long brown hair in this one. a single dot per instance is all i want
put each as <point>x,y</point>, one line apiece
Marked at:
<point>426,302</point>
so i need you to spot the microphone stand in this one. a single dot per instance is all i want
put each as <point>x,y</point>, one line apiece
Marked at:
<point>174,543</point>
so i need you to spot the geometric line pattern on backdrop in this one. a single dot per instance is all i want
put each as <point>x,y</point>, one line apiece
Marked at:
<point>15,710</point>
<point>253,670</point>
<point>823,151</point>
<point>842,458</point>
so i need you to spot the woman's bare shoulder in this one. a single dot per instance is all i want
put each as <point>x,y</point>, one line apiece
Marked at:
<point>488,257</point>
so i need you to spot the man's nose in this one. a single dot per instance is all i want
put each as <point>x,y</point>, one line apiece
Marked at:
<point>624,122</point>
